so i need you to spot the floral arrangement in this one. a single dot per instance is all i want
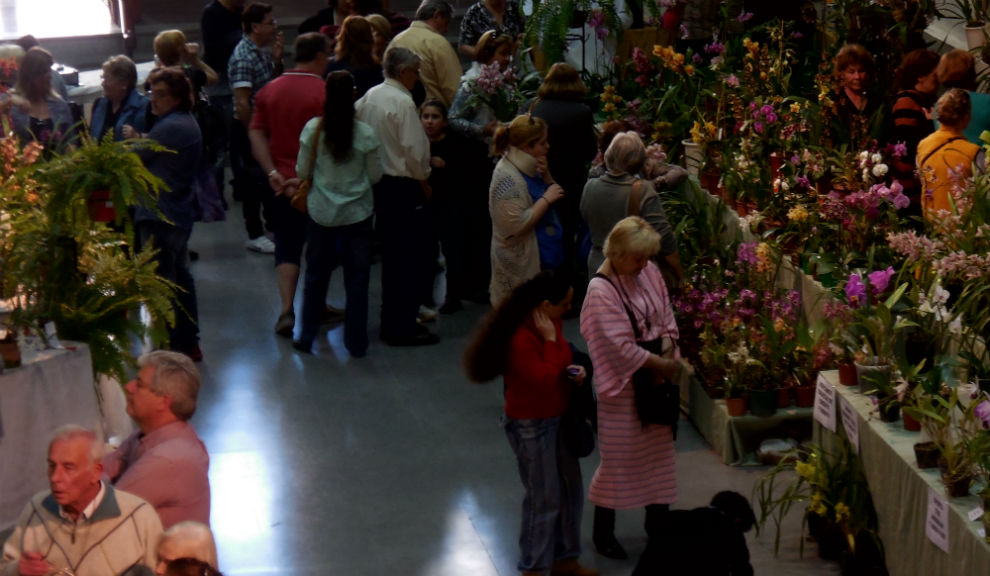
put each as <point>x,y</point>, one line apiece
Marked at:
<point>496,88</point>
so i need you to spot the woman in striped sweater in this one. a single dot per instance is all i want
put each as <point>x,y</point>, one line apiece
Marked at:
<point>637,466</point>
<point>522,341</point>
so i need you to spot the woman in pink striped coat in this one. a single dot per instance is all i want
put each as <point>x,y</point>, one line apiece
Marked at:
<point>637,466</point>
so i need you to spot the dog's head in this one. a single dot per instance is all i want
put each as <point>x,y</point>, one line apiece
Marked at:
<point>736,508</point>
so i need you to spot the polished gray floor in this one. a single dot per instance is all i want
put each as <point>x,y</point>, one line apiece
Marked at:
<point>388,464</point>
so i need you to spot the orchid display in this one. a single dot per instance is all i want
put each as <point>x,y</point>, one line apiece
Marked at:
<point>497,89</point>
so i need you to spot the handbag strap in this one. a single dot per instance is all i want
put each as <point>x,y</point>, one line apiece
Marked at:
<point>635,197</point>
<point>629,312</point>
<point>937,148</point>
<point>316,144</point>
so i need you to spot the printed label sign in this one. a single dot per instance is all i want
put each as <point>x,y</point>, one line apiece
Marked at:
<point>850,422</point>
<point>937,524</point>
<point>825,403</point>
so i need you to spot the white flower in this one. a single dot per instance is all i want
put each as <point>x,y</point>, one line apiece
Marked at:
<point>785,186</point>
<point>876,158</point>
<point>864,156</point>
<point>879,170</point>
<point>866,174</point>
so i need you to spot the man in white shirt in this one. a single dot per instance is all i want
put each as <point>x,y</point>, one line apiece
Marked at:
<point>441,69</point>
<point>82,524</point>
<point>400,197</point>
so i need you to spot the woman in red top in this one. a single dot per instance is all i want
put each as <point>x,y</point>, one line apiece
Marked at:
<point>521,340</point>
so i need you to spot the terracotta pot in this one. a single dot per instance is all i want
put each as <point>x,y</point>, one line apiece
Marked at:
<point>847,375</point>
<point>910,424</point>
<point>11,354</point>
<point>804,396</point>
<point>926,454</point>
<point>784,397</point>
<point>736,406</point>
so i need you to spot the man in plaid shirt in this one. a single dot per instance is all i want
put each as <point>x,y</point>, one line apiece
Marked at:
<point>249,69</point>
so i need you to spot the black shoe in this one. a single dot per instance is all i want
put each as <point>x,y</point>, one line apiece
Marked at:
<point>299,346</point>
<point>609,547</point>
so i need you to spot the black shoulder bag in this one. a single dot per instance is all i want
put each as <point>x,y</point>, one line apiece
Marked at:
<point>655,403</point>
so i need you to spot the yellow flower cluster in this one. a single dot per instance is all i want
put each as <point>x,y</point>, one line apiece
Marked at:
<point>753,48</point>
<point>611,100</point>
<point>764,257</point>
<point>805,470</point>
<point>841,512</point>
<point>659,130</point>
<point>797,214</point>
<point>817,505</point>
<point>672,59</point>
<point>702,133</point>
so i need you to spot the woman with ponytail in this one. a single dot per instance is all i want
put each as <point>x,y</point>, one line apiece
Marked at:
<point>519,200</point>
<point>521,340</point>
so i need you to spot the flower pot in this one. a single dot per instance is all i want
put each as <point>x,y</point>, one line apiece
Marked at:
<point>831,541</point>
<point>735,406</point>
<point>868,374</point>
<point>100,207</point>
<point>784,397</point>
<point>889,411</point>
<point>956,486</point>
<point>763,403</point>
<point>975,36</point>
<point>804,396</point>
<point>847,375</point>
<point>11,354</point>
<point>926,454</point>
<point>694,157</point>
<point>910,424</point>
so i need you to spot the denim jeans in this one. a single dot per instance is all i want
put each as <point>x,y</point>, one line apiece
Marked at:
<point>327,247</point>
<point>554,498</point>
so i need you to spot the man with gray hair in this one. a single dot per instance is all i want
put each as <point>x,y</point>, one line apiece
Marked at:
<point>165,462</point>
<point>82,525</point>
<point>441,69</point>
<point>400,196</point>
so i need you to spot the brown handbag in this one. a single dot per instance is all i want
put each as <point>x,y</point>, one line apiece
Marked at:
<point>298,200</point>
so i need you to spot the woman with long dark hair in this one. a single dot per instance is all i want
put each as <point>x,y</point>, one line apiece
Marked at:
<point>522,341</point>
<point>343,166</point>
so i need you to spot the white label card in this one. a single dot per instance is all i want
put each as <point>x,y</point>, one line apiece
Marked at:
<point>825,403</point>
<point>975,514</point>
<point>850,422</point>
<point>937,523</point>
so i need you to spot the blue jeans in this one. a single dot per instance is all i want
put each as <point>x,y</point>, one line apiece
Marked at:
<point>551,510</point>
<point>328,247</point>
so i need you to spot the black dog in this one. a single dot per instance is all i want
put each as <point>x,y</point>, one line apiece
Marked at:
<point>705,541</point>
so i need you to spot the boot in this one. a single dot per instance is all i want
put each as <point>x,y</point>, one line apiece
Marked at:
<point>603,534</point>
<point>571,567</point>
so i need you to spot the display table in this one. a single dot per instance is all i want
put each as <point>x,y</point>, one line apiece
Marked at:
<point>900,494</point>
<point>52,390</point>
<point>736,438</point>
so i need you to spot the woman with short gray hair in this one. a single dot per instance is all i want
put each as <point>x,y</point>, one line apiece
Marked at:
<point>620,192</point>
<point>121,104</point>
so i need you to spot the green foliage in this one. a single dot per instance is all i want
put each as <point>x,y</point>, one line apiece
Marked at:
<point>551,19</point>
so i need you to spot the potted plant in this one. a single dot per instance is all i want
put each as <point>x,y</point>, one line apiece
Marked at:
<point>548,25</point>
<point>973,13</point>
<point>65,268</point>
<point>875,326</point>
<point>838,512</point>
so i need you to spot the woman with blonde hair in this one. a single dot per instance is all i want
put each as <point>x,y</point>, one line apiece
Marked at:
<point>354,53</point>
<point>521,193</point>
<point>945,157</point>
<point>171,49</point>
<point>122,104</point>
<point>381,31</point>
<point>46,118</point>
<point>957,69</point>
<point>628,322</point>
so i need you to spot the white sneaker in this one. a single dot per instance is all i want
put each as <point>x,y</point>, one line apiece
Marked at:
<point>426,314</point>
<point>261,244</point>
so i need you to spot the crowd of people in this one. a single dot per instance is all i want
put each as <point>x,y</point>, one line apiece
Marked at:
<point>376,136</point>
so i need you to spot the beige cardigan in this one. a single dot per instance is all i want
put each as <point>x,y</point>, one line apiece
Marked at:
<point>515,253</point>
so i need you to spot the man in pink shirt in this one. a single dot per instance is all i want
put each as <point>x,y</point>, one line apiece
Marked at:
<point>281,109</point>
<point>165,462</point>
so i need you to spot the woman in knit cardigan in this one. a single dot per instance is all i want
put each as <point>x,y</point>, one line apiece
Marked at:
<point>519,197</point>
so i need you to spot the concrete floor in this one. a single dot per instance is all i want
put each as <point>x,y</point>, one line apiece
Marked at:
<point>393,463</point>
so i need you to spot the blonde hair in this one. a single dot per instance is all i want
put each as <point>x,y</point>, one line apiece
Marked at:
<point>953,109</point>
<point>632,236</point>
<point>562,82</point>
<point>523,130</point>
<point>956,70</point>
<point>169,46</point>
<point>380,25</point>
